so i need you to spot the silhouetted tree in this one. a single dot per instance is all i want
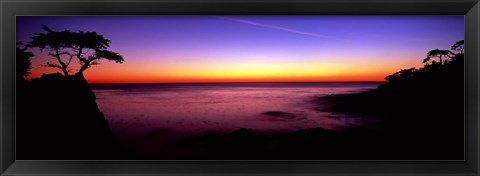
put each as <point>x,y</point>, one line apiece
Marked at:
<point>23,62</point>
<point>426,60</point>
<point>439,53</point>
<point>87,47</point>
<point>402,74</point>
<point>459,46</point>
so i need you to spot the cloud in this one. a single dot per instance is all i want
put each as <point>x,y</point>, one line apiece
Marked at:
<point>273,27</point>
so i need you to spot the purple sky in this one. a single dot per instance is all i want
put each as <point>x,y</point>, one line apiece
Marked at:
<point>250,48</point>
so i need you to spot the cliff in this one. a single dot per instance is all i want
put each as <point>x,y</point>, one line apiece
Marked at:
<point>58,119</point>
<point>420,110</point>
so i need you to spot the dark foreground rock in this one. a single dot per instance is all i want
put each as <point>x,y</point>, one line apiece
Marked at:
<point>58,119</point>
<point>420,111</point>
<point>311,144</point>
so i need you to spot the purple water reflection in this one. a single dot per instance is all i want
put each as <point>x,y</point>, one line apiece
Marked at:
<point>184,109</point>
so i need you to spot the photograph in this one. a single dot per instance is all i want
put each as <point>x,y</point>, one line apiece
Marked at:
<point>240,87</point>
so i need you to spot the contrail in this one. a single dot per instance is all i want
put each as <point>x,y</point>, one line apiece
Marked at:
<point>273,27</point>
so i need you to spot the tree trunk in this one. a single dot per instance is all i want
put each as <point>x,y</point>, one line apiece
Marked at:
<point>65,72</point>
<point>83,68</point>
<point>441,63</point>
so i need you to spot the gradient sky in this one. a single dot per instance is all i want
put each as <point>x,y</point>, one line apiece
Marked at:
<point>253,48</point>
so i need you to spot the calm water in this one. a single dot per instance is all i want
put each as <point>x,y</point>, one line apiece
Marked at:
<point>142,109</point>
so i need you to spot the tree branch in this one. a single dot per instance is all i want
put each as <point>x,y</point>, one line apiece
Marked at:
<point>70,59</point>
<point>79,55</point>
<point>49,64</point>
<point>63,66</point>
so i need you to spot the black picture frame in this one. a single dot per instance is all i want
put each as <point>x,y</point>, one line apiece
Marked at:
<point>11,8</point>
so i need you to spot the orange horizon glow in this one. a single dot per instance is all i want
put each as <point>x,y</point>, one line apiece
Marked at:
<point>209,49</point>
<point>111,73</point>
<point>98,78</point>
<point>226,81</point>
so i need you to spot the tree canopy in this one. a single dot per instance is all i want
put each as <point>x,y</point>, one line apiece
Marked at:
<point>64,46</point>
<point>23,61</point>
<point>438,53</point>
<point>459,46</point>
<point>407,73</point>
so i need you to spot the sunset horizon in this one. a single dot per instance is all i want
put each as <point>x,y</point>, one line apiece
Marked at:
<point>224,82</point>
<point>186,49</point>
<point>194,81</point>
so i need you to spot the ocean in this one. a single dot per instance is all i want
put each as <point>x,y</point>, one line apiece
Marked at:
<point>137,111</point>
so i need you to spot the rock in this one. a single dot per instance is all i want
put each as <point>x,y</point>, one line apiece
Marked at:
<point>283,115</point>
<point>58,118</point>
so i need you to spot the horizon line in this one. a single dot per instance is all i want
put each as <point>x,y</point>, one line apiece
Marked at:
<point>239,82</point>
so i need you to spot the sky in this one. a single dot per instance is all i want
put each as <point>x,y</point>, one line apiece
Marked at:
<point>176,49</point>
